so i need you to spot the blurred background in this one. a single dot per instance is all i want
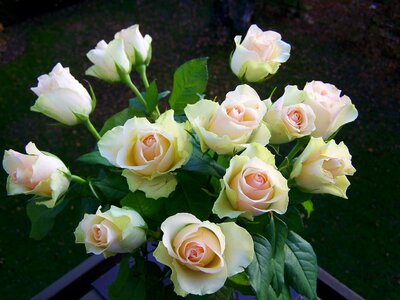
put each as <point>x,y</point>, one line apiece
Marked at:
<point>354,45</point>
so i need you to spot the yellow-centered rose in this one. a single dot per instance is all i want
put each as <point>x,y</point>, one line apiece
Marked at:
<point>231,126</point>
<point>252,186</point>
<point>289,118</point>
<point>148,152</point>
<point>322,168</point>
<point>118,230</point>
<point>259,55</point>
<point>202,255</point>
<point>38,173</point>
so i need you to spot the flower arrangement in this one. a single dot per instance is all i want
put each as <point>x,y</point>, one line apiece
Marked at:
<point>203,186</point>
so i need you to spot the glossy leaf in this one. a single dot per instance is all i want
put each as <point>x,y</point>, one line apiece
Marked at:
<point>259,271</point>
<point>301,266</point>
<point>120,118</point>
<point>42,218</point>
<point>94,158</point>
<point>151,96</point>
<point>190,81</point>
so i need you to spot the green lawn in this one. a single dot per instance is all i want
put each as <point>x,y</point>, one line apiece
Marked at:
<point>356,240</point>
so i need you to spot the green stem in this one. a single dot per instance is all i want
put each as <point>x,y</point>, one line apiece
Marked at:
<point>92,130</point>
<point>142,72</point>
<point>78,179</point>
<point>125,78</point>
<point>299,145</point>
<point>153,234</point>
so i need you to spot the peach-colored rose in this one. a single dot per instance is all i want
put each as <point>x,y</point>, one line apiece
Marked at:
<point>202,255</point>
<point>148,152</point>
<point>252,185</point>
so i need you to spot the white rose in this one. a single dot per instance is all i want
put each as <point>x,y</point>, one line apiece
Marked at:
<point>289,118</point>
<point>252,186</point>
<point>106,59</point>
<point>331,110</point>
<point>38,173</point>
<point>202,255</point>
<point>148,152</point>
<point>62,97</point>
<point>322,168</point>
<point>134,42</point>
<point>229,127</point>
<point>118,230</point>
<point>259,55</point>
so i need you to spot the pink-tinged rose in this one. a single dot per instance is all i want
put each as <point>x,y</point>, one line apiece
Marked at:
<point>231,126</point>
<point>322,168</point>
<point>252,186</point>
<point>38,173</point>
<point>202,255</point>
<point>289,118</point>
<point>62,97</point>
<point>118,230</point>
<point>259,55</point>
<point>148,152</point>
<point>331,110</point>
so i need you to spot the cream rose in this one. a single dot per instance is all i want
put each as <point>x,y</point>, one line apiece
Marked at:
<point>252,186</point>
<point>259,55</point>
<point>289,118</point>
<point>202,255</point>
<point>137,47</point>
<point>229,127</point>
<point>331,110</point>
<point>148,152</point>
<point>62,97</point>
<point>109,60</point>
<point>118,230</point>
<point>38,173</point>
<point>322,168</point>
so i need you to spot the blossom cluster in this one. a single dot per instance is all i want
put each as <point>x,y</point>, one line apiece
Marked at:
<point>149,149</point>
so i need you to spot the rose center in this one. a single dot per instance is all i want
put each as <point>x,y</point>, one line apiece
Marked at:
<point>236,112</point>
<point>194,252</point>
<point>335,166</point>
<point>150,147</point>
<point>149,140</point>
<point>257,180</point>
<point>296,117</point>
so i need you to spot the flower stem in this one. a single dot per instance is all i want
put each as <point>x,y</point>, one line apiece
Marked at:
<point>127,80</point>
<point>78,179</point>
<point>142,72</point>
<point>92,130</point>
<point>299,145</point>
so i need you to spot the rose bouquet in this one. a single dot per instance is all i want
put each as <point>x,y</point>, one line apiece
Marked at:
<point>201,186</point>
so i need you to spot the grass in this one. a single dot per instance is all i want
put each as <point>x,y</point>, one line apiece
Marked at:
<point>356,240</point>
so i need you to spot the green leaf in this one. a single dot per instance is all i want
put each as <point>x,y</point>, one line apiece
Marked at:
<point>190,81</point>
<point>224,293</point>
<point>241,283</point>
<point>276,233</point>
<point>259,271</point>
<point>110,187</point>
<point>147,208</point>
<point>42,218</point>
<point>120,118</point>
<point>138,106</point>
<point>151,96</point>
<point>130,282</point>
<point>202,163</point>
<point>301,266</point>
<point>293,219</point>
<point>94,158</point>
<point>163,95</point>
<point>297,197</point>
<point>190,197</point>
<point>309,207</point>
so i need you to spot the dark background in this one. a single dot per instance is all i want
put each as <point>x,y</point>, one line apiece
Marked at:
<point>352,44</point>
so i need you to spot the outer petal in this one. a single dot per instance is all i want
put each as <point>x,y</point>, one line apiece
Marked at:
<point>223,208</point>
<point>257,150</point>
<point>198,283</point>
<point>157,187</point>
<point>239,250</point>
<point>110,144</point>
